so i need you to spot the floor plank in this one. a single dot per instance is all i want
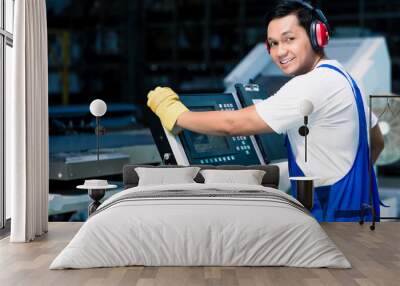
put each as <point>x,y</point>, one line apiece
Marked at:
<point>374,255</point>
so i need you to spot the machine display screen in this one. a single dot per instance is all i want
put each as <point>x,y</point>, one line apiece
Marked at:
<point>207,143</point>
<point>204,143</point>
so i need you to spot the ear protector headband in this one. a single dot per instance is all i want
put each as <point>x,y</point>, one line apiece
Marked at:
<point>319,28</point>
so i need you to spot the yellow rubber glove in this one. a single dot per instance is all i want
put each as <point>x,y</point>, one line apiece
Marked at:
<point>165,103</point>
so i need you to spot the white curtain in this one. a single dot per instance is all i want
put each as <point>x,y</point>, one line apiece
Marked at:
<point>27,170</point>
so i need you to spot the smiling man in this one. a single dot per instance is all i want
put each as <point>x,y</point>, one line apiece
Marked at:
<point>338,152</point>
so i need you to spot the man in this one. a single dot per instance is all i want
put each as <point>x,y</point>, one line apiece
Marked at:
<point>338,153</point>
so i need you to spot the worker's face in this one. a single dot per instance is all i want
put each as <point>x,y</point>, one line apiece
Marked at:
<point>290,47</point>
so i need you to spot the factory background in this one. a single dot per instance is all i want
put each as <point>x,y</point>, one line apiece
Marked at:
<point>119,50</point>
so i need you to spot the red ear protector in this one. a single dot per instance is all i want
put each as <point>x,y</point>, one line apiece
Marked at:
<point>319,28</point>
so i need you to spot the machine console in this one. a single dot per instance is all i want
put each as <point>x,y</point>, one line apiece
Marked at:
<point>191,148</point>
<point>272,145</point>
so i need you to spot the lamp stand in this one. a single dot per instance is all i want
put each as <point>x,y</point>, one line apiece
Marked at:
<point>97,137</point>
<point>303,131</point>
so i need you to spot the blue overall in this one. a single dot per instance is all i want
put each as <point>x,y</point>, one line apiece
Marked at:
<point>347,199</point>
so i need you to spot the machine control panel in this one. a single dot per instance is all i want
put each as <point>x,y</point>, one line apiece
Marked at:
<point>212,149</point>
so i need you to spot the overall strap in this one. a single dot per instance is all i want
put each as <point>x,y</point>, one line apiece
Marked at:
<point>359,101</point>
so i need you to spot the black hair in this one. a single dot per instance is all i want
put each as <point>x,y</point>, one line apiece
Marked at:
<point>288,7</point>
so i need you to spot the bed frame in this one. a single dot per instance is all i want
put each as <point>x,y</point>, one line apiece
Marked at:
<point>270,179</point>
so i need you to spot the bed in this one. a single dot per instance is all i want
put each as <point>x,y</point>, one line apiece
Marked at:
<point>201,224</point>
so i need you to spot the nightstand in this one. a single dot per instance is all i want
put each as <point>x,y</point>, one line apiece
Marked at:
<point>96,191</point>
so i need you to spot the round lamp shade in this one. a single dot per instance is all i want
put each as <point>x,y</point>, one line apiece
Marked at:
<point>306,107</point>
<point>98,107</point>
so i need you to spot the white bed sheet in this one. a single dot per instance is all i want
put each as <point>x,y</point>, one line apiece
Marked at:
<point>200,231</point>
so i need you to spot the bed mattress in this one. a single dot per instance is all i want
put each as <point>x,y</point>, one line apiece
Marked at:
<point>201,225</point>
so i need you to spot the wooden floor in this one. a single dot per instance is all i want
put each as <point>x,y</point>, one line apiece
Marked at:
<point>375,257</point>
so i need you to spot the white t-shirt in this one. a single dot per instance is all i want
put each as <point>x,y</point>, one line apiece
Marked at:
<point>333,139</point>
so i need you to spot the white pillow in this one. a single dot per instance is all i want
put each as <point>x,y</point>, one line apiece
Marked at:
<point>248,177</point>
<point>164,176</point>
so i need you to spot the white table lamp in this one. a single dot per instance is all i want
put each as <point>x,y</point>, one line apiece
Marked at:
<point>98,108</point>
